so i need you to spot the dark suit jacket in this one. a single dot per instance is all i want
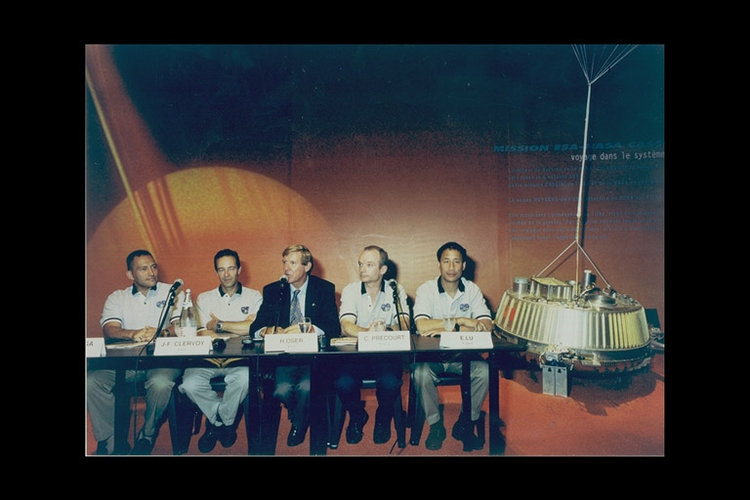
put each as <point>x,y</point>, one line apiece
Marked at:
<point>320,306</point>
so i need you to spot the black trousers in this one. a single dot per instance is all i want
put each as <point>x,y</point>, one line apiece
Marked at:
<point>387,371</point>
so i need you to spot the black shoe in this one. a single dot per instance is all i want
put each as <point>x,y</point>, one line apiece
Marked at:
<point>207,442</point>
<point>436,436</point>
<point>382,432</point>
<point>296,436</point>
<point>143,446</point>
<point>479,427</point>
<point>459,428</point>
<point>471,442</point>
<point>463,430</point>
<point>123,449</point>
<point>354,430</point>
<point>101,448</point>
<point>228,435</point>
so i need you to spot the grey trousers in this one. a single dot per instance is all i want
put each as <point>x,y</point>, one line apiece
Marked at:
<point>100,400</point>
<point>196,383</point>
<point>426,380</point>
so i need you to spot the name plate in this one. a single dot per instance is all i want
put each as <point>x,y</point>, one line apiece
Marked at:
<point>384,341</point>
<point>291,342</point>
<point>95,347</point>
<point>180,346</point>
<point>465,340</point>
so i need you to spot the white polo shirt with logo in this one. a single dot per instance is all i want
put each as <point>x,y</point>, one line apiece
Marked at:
<point>237,307</point>
<point>432,302</point>
<point>357,304</point>
<point>133,310</point>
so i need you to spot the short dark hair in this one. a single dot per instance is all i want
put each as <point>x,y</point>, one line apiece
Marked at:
<point>132,255</point>
<point>226,253</point>
<point>451,245</point>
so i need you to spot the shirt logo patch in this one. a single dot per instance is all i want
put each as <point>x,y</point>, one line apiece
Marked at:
<point>245,309</point>
<point>160,304</point>
<point>464,307</point>
<point>385,307</point>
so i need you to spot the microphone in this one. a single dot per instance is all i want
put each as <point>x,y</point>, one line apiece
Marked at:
<point>177,284</point>
<point>282,289</point>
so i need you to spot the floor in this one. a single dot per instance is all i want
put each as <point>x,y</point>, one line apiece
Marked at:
<point>603,415</point>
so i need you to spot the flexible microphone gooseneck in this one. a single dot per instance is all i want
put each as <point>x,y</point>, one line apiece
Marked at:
<point>394,286</point>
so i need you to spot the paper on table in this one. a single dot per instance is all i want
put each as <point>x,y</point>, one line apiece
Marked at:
<point>344,341</point>
<point>126,345</point>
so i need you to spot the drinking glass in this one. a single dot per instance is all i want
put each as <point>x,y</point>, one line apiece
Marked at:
<point>378,324</point>
<point>305,325</point>
<point>449,323</point>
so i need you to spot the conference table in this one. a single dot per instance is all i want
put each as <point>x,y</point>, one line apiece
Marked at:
<point>121,358</point>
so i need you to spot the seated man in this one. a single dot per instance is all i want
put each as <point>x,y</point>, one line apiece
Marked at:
<point>229,308</point>
<point>285,302</point>
<point>451,295</point>
<point>368,304</point>
<point>133,314</point>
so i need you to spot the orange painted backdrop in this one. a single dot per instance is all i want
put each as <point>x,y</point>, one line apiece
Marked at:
<point>407,192</point>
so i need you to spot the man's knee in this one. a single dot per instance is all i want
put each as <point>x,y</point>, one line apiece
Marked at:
<point>304,385</point>
<point>344,383</point>
<point>480,370</point>
<point>422,374</point>
<point>160,384</point>
<point>390,384</point>
<point>282,392</point>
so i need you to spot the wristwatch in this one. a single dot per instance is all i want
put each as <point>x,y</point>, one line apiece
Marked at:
<point>218,327</point>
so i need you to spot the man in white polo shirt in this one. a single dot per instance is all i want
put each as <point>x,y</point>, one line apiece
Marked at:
<point>368,305</point>
<point>228,309</point>
<point>133,314</point>
<point>450,295</point>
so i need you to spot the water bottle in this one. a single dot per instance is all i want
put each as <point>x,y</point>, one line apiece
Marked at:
<point>188,319</point>
<point>322,344</point>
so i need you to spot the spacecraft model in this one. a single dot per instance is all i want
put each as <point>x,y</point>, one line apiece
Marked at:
<point>577,323</point>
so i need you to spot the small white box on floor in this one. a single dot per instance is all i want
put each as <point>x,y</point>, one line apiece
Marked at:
<point>555,380</point>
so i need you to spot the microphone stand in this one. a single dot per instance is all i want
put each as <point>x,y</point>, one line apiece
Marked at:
<point>281,301</point>
<point>162,319</point>
<point>399,311</point>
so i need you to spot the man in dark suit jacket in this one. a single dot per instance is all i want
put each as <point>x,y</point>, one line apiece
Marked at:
<point>317,300</point>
